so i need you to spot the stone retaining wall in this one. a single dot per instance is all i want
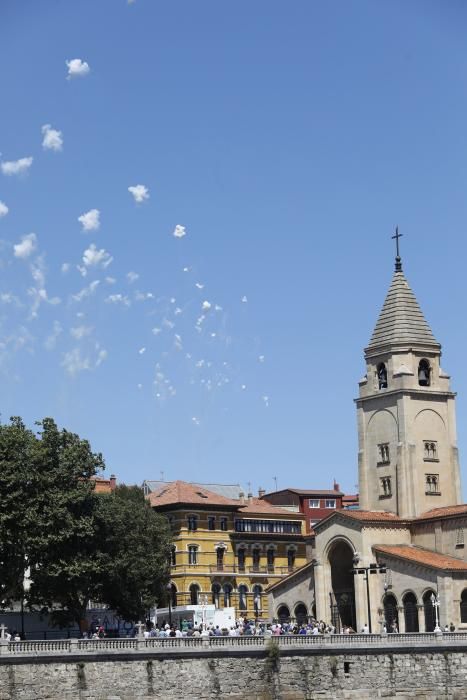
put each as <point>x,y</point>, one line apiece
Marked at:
<point>257,674</point>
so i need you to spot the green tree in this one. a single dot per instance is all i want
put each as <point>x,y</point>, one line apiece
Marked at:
<point>63,545</point>
<point>16,448</point>
<point>135,544</point>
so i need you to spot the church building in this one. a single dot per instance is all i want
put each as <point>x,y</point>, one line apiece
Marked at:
<point>399,561</point>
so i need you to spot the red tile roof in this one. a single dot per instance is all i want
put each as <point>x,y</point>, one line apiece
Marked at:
<point>443,512</point>
<point>308,492</point>
<point>257,505</point>
<point>371,515</point>
<point>419,555</point>
<point>180,492</point>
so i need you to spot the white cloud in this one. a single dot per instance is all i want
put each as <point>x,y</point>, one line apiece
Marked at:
<point>90,221</point>
<point>261,358</point>
<point>142,351</point>
<point>86,291</point>
<point>75,361</point>
<point>132,277</point>
<point>118,299</point>
<point>244,300</point>
<point>179,231</point>
<point>51,341</point>
<point>26,247</point>
<point>79,332</point>
<point>110,280</point>
<point>77,68</point>
<point>53,139</point>
<point>156,331</point>
<point>16,167</point>
<point>9,298</point>
<point>3,209</point>
<point>143,296</point>
<point>65,267</point>
<point>199,285</point>
<point>139,192</point>
<point>93,257</point>
<point>206,305</point>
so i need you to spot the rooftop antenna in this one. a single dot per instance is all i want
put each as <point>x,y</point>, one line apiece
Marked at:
<point>162,476</point>
<point>275,481</point>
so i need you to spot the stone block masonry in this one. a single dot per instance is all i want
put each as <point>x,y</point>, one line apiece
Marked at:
<point>428,673</point>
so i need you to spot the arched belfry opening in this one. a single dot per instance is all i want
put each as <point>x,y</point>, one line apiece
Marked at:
<point>382,374</point>
<point>424,373</point>
<point>342,596</point>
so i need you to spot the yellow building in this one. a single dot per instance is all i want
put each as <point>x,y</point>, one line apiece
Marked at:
<point>227,551</point>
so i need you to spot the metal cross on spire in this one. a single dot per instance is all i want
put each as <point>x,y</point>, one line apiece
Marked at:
<point>398,235</point>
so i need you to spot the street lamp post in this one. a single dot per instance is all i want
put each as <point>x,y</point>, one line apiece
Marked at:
<point>204,602</point>
<point>169,590</point>
<point>372,569</point>
<point>435,604</point>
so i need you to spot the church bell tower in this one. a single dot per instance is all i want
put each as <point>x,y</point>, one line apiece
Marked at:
<point>408,458</point>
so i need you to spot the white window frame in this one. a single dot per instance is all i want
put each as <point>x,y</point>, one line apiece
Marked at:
<point>311,502</point>
<point>328,501</point>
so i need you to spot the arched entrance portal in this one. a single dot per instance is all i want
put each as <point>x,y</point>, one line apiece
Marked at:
<point>342,597</point>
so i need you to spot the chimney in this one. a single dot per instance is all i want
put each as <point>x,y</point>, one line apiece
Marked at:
<point>261,492</point>
<point>336,486</point>
<point>250,497</point>
<point>241,496</point>
<point>113,482</point>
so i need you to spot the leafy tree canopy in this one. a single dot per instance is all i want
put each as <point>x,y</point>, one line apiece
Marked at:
<point>77,545</point>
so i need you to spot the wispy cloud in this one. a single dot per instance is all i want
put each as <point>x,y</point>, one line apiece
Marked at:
<point>90,221</point>
<point>79,332</point>
<point>92,257</point>
<point>77,360</point>
<point>139,192</point>
<point>53,139</point>
<point>77,68</point>
<point>26,247</point>
<point>118,299</point>
<point>86,291</point>
<point>132,277</point>
<point>16,167</point>
<point>3,209</point>
<point>179,231</point>
<point>51,340</point>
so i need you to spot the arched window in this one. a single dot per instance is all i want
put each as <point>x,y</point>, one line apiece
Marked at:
<point>241,559</point>
<point>410,612</point>
<point>270,558</point>
<point>301,614</point>
<point>382,373</point>
<point>391,615</point>
<point>464,605</point>
<point>429,610</point>
<point>227,595</point>
<point>194,594</point>
<point>257,602</point>
<point>242,599</point>
<point>283,614</point>
<point>216,592</point>
<point>424,378</point>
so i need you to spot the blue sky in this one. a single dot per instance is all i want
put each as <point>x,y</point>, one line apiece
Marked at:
<point>288,140</point>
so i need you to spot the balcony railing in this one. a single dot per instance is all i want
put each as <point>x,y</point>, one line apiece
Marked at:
<point>279,527</point>
<point>202,569</point>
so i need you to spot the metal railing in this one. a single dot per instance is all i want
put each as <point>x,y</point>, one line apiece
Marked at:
<point>136,644</point>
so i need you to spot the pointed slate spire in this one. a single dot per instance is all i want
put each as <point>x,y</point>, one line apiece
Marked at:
<point>401,319</point>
